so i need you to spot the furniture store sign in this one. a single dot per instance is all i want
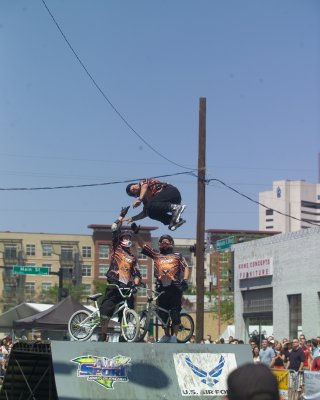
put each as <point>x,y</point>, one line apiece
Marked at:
<point>255,268</point>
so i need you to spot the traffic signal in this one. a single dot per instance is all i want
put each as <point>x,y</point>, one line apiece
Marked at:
<point>193,249</point>
<point>231,279</point>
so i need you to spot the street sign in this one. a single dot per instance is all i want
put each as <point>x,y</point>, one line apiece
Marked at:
<point>30,270</point>
<point>224,244</point>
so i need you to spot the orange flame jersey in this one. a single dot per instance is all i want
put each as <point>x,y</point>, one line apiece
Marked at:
<point>154,186</point>
<point>123,266</point>
<point>168,268</point>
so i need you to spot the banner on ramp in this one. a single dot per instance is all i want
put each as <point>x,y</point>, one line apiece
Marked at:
<point>130,371</point>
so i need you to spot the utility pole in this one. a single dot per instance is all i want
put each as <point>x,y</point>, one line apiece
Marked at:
<point>200,247</point>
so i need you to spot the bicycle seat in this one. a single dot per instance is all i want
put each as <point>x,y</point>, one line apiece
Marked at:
<point>94,296</point>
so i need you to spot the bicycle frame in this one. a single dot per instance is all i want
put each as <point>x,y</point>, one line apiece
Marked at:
<point>93,320</point>
<point>153,309</point>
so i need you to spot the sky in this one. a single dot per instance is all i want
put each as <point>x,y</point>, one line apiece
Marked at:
<point>106,92</point>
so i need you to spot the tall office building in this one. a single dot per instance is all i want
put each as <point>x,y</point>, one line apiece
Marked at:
<point>298,199</point>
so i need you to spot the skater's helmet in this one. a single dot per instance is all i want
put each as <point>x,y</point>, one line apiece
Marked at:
<point>125,239</point>
<point>166,243</point>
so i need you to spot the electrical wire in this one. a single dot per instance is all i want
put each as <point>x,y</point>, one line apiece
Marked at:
<point>257,202</point>
<point>105,96</point>
<point>91,184</point>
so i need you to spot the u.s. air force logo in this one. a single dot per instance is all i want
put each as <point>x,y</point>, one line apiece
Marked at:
<point>203,373</point>
<point>102,370</point>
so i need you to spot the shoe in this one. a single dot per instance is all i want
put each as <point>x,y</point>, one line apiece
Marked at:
<point>175,226</point>
<point>177,210</point>
<point>173,339</point>
<point>164,339</point>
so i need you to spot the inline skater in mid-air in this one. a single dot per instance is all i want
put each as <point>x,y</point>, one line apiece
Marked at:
<point>161,201</point>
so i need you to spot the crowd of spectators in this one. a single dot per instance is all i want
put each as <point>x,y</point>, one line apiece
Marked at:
<point>298,354</point>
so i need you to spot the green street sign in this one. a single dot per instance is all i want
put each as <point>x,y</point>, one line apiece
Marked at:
<point>224,244</point>
<point>30,270</point>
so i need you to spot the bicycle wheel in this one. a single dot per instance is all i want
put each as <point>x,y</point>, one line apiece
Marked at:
<point>130,325</point>
<point>186,328</point>
<point>144,325</point>
<point>81,325</point>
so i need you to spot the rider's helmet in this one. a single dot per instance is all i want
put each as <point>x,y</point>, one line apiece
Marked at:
<point>128,189</point>
<point>166,243</point>
<point>125,239</point>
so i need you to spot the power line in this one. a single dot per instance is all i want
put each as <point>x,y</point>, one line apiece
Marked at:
<point>105,96</point>
<point>90,184</point>
<point>260,204</point>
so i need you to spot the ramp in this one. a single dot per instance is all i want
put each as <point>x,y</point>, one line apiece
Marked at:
<point>29,373</point>
<point>131,371</point>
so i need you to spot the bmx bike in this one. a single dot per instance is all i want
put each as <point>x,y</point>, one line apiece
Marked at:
<point>186,327</point>
<point>82,323</point>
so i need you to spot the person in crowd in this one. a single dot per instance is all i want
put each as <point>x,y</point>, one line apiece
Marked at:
<point>171,273</point>
<point>307,352</point>
<point>161,202</point>
<point>315,366</point>
<point>221,340</point>
<point>315,351</point>
<point>286,349</point>
<point>207,339</point>
<point>230,339</point>
<point>4,354</point>
<point>296,356</point>
<point>255,355</point>
<point>123,271</point>
<point>192,339</point>
<point>278,360</point>
<point>252,381</point>
<point>266,353</point>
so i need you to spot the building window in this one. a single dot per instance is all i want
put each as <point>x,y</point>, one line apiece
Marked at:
<point>103,251</point>
<point>66,253</point>
<point>103,268</point>
<point>86,270</point>
<point>142,291</point>
<point>141,256</point>
<point>295,314</point>
<point>46,250</point>
<point>10,251</point>
<point>9,290</point>
<point>47,266</point>
<point>86,251</point>
<point>143,271</point>
<point>269,212</point>
<point>29,288</point>
<point>45,286</point>
<point>31,249</point>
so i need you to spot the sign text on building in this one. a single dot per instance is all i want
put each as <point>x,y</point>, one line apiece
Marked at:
<point>255,268</point>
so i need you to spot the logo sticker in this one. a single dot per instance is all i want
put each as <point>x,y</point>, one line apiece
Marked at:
<point>102,370</point>
<point>201,374</point>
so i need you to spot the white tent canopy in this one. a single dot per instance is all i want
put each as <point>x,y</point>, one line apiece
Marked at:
<point>20,311</point>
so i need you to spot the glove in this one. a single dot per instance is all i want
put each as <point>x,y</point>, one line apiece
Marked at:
<point>124,211</point>
<point>134,289</point>
<point>135,228</point>
<point>184,285</point>
<point>115,226</point>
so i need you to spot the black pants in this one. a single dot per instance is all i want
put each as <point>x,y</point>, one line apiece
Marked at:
<point>170,300</point>
<point>160,205</point>
<point>110,301</point>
